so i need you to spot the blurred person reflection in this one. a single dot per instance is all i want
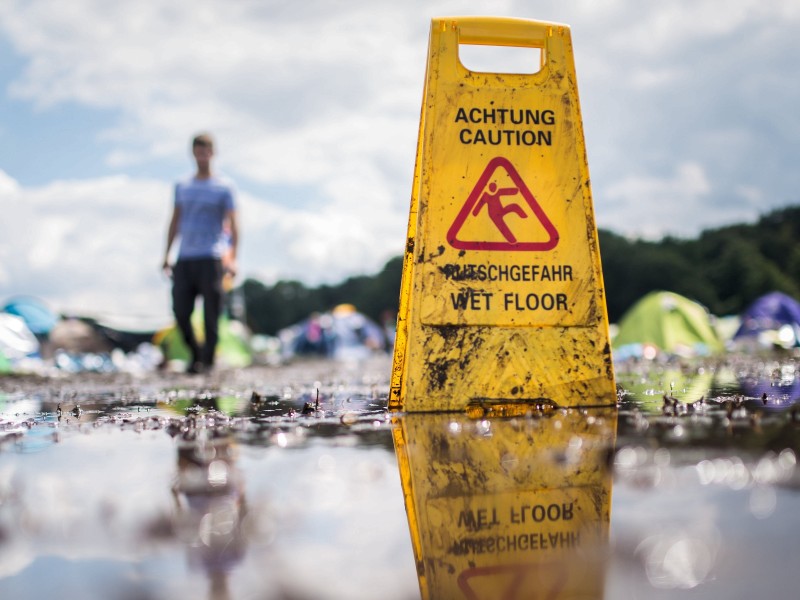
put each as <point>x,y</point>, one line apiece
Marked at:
<point>210,507</point>
<point>204,217</point>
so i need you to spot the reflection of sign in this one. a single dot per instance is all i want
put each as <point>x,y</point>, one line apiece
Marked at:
<point>511,582</point>
<point>501,509</point>
<point>514,524</point>
<point>501,214</point>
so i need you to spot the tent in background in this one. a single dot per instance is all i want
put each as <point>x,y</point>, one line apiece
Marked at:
<point>16,340</point>
<point>78,336</point>
<point>232,347</point>
<point>37,316</point>
<point>342,333</point>
<point>771,320</point>
<point>127,332</point>
<point>667,322</point>
<point>726,327</point>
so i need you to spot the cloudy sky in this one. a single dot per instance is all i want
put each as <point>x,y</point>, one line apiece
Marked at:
<point>689,107</point>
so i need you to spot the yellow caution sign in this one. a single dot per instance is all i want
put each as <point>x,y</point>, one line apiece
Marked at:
<point>508,508</point>
<point>502,295</point>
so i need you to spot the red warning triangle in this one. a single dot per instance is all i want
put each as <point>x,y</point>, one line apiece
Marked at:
<point>492,219</point>
<point>510,582</point>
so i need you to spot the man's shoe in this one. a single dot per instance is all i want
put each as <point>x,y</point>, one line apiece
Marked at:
<point>196,368</point>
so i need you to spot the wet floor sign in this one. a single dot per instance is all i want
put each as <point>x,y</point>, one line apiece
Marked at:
<point>502,296</point>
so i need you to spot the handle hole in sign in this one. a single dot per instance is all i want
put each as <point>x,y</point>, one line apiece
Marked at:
<point>511,60</point>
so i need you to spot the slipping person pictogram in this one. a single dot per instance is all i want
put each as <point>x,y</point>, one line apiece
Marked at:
<point>501,189</point>
<point>497,211</point>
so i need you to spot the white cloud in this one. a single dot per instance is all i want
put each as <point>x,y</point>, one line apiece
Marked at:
<point>648,206</point>
<point>8,185</point>
<point>320,243</point>
<point>94,246</point>
<point>315,107</point>
<point>278,92</point>
<point>87,245</point>
<point>752,195</point>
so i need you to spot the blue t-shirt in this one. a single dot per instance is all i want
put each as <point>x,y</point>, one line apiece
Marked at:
<point>203,204</point>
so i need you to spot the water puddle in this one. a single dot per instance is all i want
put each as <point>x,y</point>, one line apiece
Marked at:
<point>295,482</point>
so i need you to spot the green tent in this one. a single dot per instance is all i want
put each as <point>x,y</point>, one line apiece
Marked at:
<point>671,323</point>
<point>232,347</point>
<point>5,365</point>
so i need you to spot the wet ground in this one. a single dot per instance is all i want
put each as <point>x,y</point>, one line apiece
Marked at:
<point>284,482</point>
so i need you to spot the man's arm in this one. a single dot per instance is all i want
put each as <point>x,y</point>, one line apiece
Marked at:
<point>230,263</point>
<point>172,232</point>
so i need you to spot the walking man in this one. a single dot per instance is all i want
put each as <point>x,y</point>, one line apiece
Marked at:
<point>204,217</point>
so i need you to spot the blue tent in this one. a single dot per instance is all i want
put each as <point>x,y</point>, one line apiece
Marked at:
<point>39,319</point>
<point>773,312</point>
<point>341,333</point>
<point>16,340</point>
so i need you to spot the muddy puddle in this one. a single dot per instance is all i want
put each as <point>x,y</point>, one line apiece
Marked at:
<point>295,482</point>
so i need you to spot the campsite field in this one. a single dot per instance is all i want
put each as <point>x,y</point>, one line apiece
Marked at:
<point>223,486</point>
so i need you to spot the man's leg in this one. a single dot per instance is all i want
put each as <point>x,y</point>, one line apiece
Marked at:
<point>184,293</point>
<point>211,289</point>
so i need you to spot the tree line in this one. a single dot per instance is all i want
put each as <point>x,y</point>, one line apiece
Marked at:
<point>724,269</point>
